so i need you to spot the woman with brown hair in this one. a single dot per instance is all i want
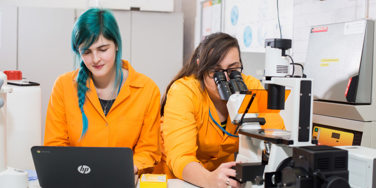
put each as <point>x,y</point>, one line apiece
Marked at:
<point>199,139</point>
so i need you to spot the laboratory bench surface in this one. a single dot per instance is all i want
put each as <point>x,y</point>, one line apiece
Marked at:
<point>175,183</point>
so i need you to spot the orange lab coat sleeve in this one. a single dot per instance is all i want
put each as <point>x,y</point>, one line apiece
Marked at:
<point>180,129</point>
<point>56,130</point>
<point>147,147</point>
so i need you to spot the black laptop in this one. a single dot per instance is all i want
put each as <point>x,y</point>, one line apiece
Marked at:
<point>83,167</point>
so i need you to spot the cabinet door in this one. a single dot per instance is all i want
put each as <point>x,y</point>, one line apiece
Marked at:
<point>157,45</point>
<point>8,38</point>
<point>152,5</point>
<point>123,19</point>
<point>44,50</point>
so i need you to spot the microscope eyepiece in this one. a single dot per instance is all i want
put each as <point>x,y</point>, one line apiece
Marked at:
<point>227,88</point>
<point>235,75</point>
<point>222,85</point>
<point>219,77</point>
<point>236,82</point>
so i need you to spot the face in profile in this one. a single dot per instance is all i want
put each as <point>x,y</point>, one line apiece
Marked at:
<point>100,57</point>
<point>230,62</point>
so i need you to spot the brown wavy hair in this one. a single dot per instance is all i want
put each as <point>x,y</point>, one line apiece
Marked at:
<point>209,53</point>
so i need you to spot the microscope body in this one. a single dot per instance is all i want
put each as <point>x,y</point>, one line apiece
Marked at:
<point>284,158</point>
<point>268,149</point>
<point>297,115</point>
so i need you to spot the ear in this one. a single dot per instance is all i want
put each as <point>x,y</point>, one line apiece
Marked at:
<point>198,61</point>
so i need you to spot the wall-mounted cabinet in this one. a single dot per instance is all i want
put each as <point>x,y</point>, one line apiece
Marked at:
<point>143,5</point>
<point>157,45</point>
<point>153,5</point>
<point>8,37</point>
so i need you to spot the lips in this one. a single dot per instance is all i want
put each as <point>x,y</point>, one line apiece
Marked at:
<point>98,66</point>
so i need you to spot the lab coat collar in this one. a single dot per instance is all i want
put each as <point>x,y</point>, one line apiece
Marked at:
<point>132,81</point>
<point>214,113</point>
<point>229,126</point>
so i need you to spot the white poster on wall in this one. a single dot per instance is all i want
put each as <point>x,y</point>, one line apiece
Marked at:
<point>253,21</point>
<point>211,17</point>
<point>308,13</point>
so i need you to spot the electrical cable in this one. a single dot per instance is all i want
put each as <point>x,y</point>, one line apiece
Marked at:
<point>279,22</point>
<point>293,66</point>
<point>280,34</point>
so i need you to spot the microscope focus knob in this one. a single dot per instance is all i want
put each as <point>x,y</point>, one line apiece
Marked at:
<point>336,182</point>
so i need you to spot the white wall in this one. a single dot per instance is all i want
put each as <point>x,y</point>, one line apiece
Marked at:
<point>189,10</point>
<point>308,13</point>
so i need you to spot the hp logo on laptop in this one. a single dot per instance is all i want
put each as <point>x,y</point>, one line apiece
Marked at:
<point>83,169</point>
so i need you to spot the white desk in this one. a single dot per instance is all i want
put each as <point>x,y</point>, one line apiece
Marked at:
<point>171,183</point>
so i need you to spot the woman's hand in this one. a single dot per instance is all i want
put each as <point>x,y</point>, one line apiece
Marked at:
<point>135,174</point>
<point>135,169</point>
<point>220,177</point>
<point>196,174</point>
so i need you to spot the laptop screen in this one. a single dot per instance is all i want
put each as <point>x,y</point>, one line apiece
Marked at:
<point>83,166</point>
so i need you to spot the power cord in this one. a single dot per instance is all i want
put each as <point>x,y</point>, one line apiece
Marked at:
<point>292,60</point>
<point>293,67</point>
<point>279,22</point>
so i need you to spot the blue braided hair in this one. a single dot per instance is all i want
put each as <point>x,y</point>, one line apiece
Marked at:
<point>81,91</point>
<point>87,29</point>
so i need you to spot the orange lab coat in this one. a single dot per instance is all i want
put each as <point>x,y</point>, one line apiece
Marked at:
<point>133,120</point>
<point>190,135</point>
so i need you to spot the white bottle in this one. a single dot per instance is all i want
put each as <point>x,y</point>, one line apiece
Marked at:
<point>9,177</point>
<point>13,178</point>
<point>3,115</point>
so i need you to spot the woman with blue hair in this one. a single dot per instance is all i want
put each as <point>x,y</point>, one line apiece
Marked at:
<point>105,102</point>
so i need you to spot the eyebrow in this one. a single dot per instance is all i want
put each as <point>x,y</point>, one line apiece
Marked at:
<point>232,64</point>
<point>101,46</point>
<point>104,45</point>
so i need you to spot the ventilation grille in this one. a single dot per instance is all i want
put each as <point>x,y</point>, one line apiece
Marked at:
<point>323,163</point>
<point>282,69</point>
<point>340,163</point>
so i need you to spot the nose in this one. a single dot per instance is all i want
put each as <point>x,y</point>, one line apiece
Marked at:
<point>227,76</point>
<point>96,57</point>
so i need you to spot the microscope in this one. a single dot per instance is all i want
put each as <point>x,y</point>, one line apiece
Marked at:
<point>281,158</point>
